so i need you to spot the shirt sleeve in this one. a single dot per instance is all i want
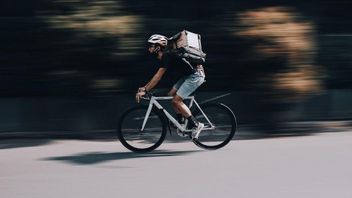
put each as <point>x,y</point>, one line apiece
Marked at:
<point>165,61</point>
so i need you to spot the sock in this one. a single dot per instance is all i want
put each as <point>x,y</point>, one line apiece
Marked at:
<point>192,121</point>
<point>180,118</point>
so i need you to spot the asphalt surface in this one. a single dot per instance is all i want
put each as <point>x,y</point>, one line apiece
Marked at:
<point>304,166</point>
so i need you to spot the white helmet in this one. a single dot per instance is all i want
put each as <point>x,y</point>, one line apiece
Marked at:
<point>158,39</point>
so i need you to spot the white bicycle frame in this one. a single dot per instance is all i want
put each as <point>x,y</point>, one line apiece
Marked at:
<point>183,127</point>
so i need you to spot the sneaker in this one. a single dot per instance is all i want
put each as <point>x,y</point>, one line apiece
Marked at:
<point>196,130</point>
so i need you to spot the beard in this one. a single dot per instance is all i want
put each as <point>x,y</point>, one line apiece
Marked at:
<point>153,54</point>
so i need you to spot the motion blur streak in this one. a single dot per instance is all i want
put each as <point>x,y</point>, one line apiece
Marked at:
<point>282,32</point>
<point>100,19</point>
<point>71,65</point>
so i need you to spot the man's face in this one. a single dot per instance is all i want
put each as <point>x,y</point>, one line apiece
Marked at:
<point>151,48</point>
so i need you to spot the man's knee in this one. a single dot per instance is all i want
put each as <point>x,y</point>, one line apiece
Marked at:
<point>172,92</point>
<point>176,100</point>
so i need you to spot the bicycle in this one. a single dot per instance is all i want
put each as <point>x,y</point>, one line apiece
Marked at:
<point>143,128</point>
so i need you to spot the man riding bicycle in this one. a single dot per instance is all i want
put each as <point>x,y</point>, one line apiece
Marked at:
<point>192,77</point>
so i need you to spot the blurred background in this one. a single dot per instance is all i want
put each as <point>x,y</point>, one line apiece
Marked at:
<point>74,65</point>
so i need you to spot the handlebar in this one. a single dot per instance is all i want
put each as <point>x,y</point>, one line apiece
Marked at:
<point>147,96</point>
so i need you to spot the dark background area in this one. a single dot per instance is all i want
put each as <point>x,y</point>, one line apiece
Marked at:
<point>75,64</point>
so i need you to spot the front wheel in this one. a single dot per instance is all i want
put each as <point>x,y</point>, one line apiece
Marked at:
<point>223,126</point>
<point>137,140</point>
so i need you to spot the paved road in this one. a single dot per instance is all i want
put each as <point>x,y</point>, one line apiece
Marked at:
<point>318,165</point>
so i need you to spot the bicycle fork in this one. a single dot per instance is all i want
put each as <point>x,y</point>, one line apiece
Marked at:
<point>150,107</point>
<point>147,115</point>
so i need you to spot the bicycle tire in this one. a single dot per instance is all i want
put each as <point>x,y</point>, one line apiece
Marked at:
<point>132,138</point>
<point>223,118</point>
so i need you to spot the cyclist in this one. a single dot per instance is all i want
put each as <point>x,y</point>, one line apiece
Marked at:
<point>192,77</point>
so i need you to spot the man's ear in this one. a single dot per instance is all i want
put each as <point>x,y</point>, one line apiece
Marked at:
<point>157,48</point>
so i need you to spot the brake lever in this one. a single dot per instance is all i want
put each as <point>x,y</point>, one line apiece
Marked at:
<point>147,96</point>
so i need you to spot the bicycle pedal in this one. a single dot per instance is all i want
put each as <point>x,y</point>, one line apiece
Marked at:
<point>182,134</point>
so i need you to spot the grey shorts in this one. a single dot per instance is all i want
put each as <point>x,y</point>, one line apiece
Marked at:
<point>188,84</point>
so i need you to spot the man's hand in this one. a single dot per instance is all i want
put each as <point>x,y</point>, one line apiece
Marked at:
<point>140,94</point>
<point>151,84</point>
<point>141,89</point>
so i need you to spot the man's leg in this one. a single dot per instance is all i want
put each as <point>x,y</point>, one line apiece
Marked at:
<point>180,107</point>
<point>179,115</point>
<point>172,93</point>
<point>182,89</point>
<point>190,84</point>
<point>196,126</point>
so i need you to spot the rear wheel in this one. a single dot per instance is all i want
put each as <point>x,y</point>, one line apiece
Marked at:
<point>224,125</point>
<point>130,133</point>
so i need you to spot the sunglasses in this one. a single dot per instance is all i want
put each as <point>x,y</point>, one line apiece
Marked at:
<point>151,45</point>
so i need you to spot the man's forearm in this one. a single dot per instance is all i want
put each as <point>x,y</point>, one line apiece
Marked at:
<point>155,80</point>
<point>152,83</point>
